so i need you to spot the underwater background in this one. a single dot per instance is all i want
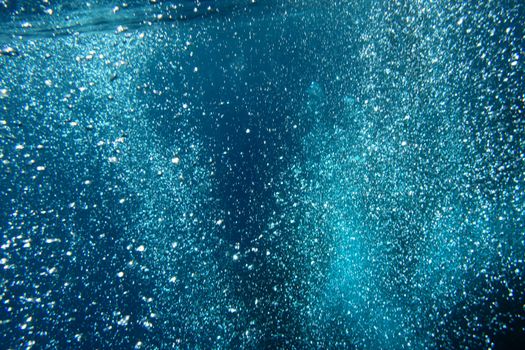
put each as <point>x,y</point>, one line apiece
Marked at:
<point>262,174</point>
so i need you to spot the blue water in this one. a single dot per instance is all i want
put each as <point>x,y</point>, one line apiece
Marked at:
<point>262,174</point>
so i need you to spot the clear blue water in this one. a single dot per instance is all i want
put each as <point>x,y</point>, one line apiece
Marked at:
<point>262,174</point>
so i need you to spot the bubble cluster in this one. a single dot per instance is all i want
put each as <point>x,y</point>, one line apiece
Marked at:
<point>262,174</point>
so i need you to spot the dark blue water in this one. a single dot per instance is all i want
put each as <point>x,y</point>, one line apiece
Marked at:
<point>262,175</point>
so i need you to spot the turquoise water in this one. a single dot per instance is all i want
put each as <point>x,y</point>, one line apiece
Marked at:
<point>262,174</point>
